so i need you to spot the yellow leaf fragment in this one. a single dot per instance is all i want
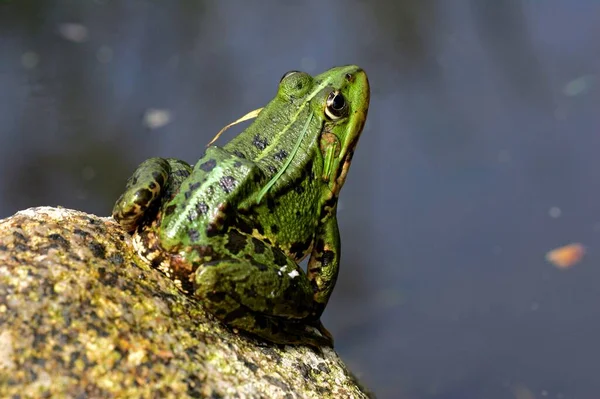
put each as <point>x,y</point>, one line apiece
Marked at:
<point>249,115</point>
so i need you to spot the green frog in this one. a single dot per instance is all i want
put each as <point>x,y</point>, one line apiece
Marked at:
<point>231,230</point>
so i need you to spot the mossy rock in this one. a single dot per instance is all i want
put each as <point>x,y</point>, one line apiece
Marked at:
<point>82,316</point>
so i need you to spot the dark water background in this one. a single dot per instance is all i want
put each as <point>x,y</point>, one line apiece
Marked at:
<point>481,153</point>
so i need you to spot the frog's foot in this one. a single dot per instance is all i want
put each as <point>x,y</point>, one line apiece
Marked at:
<point>273,302</point>
<point>154,180</point>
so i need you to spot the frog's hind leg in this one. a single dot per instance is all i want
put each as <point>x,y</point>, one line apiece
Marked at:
<point>153,179</point>
<point>272,301</point>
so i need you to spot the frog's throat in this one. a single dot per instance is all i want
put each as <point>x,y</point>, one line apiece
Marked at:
<point>274,179</point>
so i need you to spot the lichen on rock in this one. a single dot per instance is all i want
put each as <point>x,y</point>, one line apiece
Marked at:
<point>81,315</point>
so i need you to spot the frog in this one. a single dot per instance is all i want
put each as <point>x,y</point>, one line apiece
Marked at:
<point>231,230</point>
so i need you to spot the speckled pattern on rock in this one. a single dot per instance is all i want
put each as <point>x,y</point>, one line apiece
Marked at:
<point>81,316</point>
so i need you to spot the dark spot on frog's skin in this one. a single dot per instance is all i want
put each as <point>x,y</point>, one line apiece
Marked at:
<point>327,207</point>
<point>194,235</point>
<point>202,208</point>
<point>170,209</point>
<point>227,183</point>
<point>216,296</point>
<point>239,154</point>
<point>279,257</point>
<point>236,241</point>
<point>243,226</point>
<point>260,266</point>
<point>203,250</point>
<point>299,189</point>
<point>192,187</point>
<point>98,250</point>
<point>59,241</point>
<point>271,204</point>
<point>272,169</point>
<point>309,166</point>
<point>181,173</point>
<point>298,214</point>
<point>281,155</point>
<point>319,246</point>
<point>3,248</point>
<point>260,143</point>
<point>133,181</point>
<point>274,229</point>
<point>143,197</point>
<point>298,249</point>
<point>249,292</point>
<point>315,270</point>
<point>260,229</point>
<point>259,246</point>
<point>260,322</point>
<point>159,178</point>
<point>208,165</point>
<point>258,177</point>
<point>237,164</point>
<point>195,186</point>
<point>327,258</point>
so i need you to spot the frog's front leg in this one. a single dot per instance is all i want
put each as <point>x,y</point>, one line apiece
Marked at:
<point>265,293</point>
<point>154,180</point>
<point>324,263</point>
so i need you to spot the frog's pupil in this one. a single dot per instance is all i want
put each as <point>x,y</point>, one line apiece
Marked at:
<point>338,102</point>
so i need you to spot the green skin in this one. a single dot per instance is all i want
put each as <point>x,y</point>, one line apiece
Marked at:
<point>231,230</point>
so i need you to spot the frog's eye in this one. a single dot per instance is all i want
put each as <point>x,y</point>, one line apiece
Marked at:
<point>336,106</point>
<point>287,74</point>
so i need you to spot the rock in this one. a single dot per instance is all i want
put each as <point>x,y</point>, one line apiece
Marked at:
<point>82,316</point>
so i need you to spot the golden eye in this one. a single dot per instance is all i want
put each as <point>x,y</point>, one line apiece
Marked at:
<point>336,106</point>
<point>285,75</point>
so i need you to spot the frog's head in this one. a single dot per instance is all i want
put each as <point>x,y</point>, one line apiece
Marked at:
<point>343,103</point>
<point>336,103</point>
<point>310,115</point>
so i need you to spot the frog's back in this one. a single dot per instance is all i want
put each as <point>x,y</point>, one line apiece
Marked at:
<point>200,209</point>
